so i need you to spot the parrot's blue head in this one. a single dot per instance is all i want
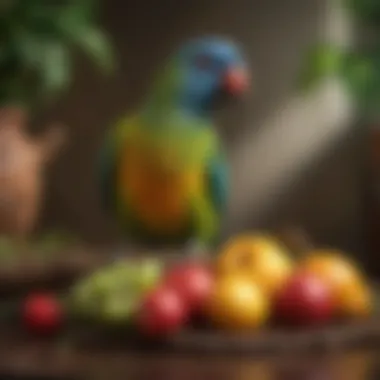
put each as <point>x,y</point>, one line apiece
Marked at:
<point>210,68</point>
<point>199,74</point>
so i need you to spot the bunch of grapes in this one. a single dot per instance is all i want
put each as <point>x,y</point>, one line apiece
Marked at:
<point>113,293</point>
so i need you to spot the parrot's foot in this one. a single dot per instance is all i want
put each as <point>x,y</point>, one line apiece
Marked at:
<point>194,249</point>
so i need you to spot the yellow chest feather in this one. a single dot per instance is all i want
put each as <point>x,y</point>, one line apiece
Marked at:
<point>155,191</point>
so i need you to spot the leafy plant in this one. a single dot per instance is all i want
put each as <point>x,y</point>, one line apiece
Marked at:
<point>321,61</point>
<point>365,10</point>
<point>37,41</point>
<point>359,69</point>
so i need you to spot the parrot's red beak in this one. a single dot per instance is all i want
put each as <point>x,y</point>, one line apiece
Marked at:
<point>236,81</point>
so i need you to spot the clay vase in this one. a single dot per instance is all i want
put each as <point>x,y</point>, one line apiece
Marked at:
<point>22,164</point>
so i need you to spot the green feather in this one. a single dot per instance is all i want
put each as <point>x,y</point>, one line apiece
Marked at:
<point>195,144</point>
<point>163,95</point>
<point>206,220</point>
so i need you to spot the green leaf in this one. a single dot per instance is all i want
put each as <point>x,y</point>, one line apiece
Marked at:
<point>45,63</point>
<point>360,74</point>
<point>95,44</point>
<point>36,39</point>
<point>73,17</point>
<point>87,9</point>
<point>54,67</point>
<point>7,5</point>
<point>365,10</point>
<point>27,46</point>
<point>39,17</point>
<point>362,77</point>
<point>77,26</point>
<point>42,60</point>
<point>321,61</point>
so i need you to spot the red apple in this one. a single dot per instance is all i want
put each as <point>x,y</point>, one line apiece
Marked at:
<point>162,312</point>
<point>42,313</point>
<point>304,300</point>
<point>193,281</point>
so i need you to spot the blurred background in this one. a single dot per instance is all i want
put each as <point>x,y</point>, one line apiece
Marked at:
<point>296,159</point>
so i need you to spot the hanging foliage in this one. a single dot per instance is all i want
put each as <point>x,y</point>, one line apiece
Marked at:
<point>365,10</point>
<point>321,61</point>
<point>358,69</point>
<point>37,42</point>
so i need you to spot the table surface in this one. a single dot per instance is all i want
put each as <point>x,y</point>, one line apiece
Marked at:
<point>29,357</point>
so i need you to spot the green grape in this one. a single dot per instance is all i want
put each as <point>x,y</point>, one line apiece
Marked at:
<point>127,274</point>
<point>113,293</point>
<point>101,290</point>
<point>150,275</point>
<point>119,309</point>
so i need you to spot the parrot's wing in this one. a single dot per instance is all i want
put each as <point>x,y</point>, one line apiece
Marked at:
<point>218,183</point>
<point>209,207</point>
<point>108,162</point>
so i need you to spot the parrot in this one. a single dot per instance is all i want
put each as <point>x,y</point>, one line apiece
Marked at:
<point>164,175</point>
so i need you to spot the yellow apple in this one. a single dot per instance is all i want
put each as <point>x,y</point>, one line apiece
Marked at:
<point>356,301</point>
<point>352,295</point>
<point>260,257</point>
<point>237,303</point>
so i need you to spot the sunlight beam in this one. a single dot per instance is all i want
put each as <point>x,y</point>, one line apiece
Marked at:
<point>266,163</point>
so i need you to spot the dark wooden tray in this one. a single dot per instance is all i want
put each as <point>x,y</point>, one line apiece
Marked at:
<point>279,341</point>
<point>274,341</point>
<point>24,356</point>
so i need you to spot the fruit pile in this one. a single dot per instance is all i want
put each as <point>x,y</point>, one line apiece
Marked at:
<point>258,280</point>
<point>253,280</point>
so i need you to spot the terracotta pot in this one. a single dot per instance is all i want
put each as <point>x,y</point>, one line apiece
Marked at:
<point>22,164</point>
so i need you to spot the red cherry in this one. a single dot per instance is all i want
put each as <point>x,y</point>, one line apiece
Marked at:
<point>193,281</point>
<point>304,300</point>
<point>162,312</point>
<point>42,313</point>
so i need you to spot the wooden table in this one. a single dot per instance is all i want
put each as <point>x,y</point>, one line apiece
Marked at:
<point>23,356</point>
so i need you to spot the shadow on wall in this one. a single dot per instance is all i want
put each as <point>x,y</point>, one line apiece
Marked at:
<point>274,35</point>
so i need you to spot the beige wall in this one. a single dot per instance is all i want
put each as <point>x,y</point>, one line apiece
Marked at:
<point>294,159</point>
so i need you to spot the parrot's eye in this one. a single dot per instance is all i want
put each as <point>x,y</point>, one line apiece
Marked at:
<point>204,62</point>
